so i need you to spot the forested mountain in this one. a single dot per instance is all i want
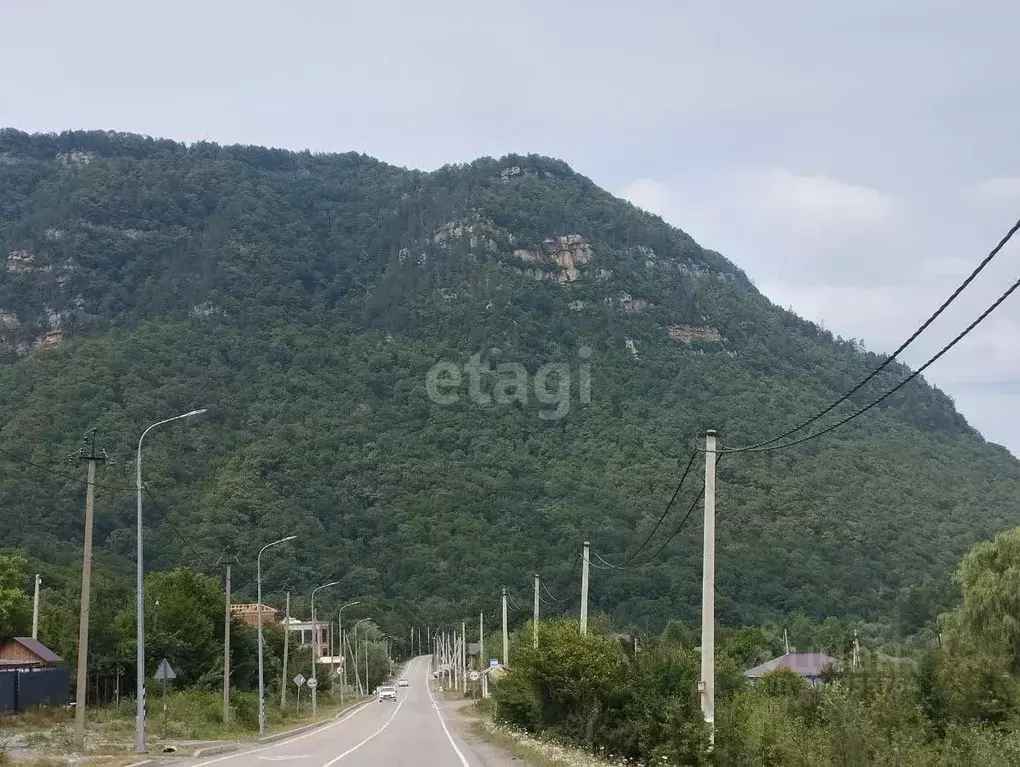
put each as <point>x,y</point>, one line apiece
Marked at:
<point>304,299</point>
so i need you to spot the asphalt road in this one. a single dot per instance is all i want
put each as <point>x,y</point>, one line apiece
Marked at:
<point>409,733</point>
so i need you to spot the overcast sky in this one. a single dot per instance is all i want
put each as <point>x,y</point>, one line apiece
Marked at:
<point>855,159</point>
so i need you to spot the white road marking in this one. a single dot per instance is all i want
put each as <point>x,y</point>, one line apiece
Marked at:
<point>284,758</point>
<point>449,737</point>
<point>366,740</point>
<point>296,738</point>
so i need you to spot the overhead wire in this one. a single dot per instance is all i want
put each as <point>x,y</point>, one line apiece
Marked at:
<point>945,349</point>
<point>554,599</point>
<point>606,564</point>
<point>892,357</point>
<point>63,475</point>
<point>187,541</point>
<point>665,513</point>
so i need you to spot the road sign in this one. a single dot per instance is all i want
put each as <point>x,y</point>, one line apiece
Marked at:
<point>299,680</point>
<point>312,684</point>
<point>493,662</point>
<point>164,672</point>
<point>473,676</point>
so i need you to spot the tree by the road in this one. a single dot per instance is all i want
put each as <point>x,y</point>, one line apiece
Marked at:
<point>15,605</point>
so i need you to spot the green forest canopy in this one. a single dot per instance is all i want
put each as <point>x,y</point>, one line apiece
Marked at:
<point>304,298</point>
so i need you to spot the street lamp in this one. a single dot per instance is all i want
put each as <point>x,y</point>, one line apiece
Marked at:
<point>343,655</point>
<point>315,645</point>
<point>262,684</point>
<point>139,604</point>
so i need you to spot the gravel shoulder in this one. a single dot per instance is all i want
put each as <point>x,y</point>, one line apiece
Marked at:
<point>460,717</point>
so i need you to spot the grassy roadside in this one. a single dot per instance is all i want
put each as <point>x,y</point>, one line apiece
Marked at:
<point>193,719</point>
<point>527,748</point>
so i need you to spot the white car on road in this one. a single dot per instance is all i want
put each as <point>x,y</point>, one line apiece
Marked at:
<point>387,692</point>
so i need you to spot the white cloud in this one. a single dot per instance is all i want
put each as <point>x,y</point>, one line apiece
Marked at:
<point>877,314</point>
<point>946,266</point>
<point>781,225</point>
<point>819,206</point>
<point>843,255</point>
<point>698,219</point>
<point>1003,191</point>
<point>811,145</point>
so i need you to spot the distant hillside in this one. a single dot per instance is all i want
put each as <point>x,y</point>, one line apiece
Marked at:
<point>304,299</point>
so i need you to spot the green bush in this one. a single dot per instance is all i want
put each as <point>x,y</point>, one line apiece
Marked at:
<point>245,708</point>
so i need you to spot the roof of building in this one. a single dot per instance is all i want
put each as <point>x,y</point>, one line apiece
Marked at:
<point>38,649</point>
<point>803,663</point>
<point>251,607</point>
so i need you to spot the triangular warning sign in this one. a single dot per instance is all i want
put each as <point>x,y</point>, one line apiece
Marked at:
<point>164,672</point>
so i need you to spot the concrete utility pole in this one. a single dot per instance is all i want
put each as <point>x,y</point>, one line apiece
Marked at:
<point>857,652</point>
<point>708,590</point>
<point>481,654</point>
<point>262,674</point>
<point>506,636</point>
<point>357,673</point>
<point>444,655</point>
<point>357,656</point>
<point>35,607</point>
<point>343,655</point>
<point>584,590</point>
<point>286,652</point>
<point>463,656</point>
<point>353,653</point>
<point>534,641</point>
<point>226,650</point>
<point>315,646</point>
<point>226,645</point>
<point>91,457</point>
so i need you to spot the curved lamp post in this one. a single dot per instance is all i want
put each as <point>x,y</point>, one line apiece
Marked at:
<point>262,684</point>
<point>315,644</point>
<point>139,603</point>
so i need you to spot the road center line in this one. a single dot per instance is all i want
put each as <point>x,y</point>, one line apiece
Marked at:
<point>296,738</point>
<point>449,737</point>
<point>366,740</point>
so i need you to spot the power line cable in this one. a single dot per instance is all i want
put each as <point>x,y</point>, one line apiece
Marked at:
<point>888,360</point>
<point>669,506</point>
<point>184,538</point>
<point>766,448</point>
<point>676,531</point>
<point>554,599</point>
<point>77,479</point>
